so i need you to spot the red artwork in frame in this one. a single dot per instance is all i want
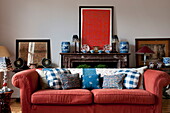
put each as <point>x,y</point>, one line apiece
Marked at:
<point>96,25</point>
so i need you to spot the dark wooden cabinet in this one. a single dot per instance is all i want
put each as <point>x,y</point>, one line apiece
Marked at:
<point>112,60</point>
<point>5,102</point>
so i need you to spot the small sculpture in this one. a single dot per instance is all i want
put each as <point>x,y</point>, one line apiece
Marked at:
<point>151,64</point>
<point>159,65</point>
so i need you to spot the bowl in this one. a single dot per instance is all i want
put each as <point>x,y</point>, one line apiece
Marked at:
<point>100,51</point>
<point>84,51</point>
<point>91,51</point>
<point>107,51</point>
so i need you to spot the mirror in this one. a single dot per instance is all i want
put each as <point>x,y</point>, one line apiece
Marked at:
<point>33,51</point>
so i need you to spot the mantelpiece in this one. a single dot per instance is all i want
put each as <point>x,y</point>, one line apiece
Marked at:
<point>113,60</point>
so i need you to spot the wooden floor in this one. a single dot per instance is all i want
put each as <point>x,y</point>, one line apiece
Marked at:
<point>16,108</point>
<point>166,106</point>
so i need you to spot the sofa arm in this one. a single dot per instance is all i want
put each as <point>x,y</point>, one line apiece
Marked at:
<point>27,81</point>
<point>154,82</point>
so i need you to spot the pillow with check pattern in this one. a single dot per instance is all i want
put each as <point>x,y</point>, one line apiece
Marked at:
<point>131,80</point>
<point>53,76</point>
<point>70,81</point>
<point>43,80</point>
<point>114,81</point>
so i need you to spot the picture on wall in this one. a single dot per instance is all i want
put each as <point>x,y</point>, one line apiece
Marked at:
<point>160,46</point>
<point>95,25</point>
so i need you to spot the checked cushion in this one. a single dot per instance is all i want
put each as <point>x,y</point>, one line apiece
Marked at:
<point>53,76</point>
<point>131,80</point>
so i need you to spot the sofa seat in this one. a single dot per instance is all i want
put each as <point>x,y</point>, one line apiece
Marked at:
<point>72,96</point>
<point>125,96</point>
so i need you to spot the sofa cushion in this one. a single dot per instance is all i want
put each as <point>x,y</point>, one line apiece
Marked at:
<point>70,81</point>
<point>131,80</point>
<point>113,81</point>
<point>43,80</point>
<point>89,71</point>
<point>125,96</point>
<point>53,78</point>
<point>91,81</point>
<point>71,96</point>
<point>108,71</point>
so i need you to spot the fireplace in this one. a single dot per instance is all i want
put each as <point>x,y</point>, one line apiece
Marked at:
<point>94,64</point>
<point>112,60</point>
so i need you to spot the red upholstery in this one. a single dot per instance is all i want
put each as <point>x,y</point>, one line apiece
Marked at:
<point>154,81</point>
<point>123,108</point>
<point>125,96</point>
<point>72,96</point>
<point>27,81</point>
<point>62,108</point>
<point>93,108</point>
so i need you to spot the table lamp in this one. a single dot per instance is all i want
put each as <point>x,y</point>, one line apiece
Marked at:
<point>5,66</point>
<point>115,40</point>
<point>75,40</point>
<point>144,50</point>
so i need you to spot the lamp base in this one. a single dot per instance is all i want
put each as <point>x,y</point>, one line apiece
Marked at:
<point>5,89</point>
<point>114,48</point>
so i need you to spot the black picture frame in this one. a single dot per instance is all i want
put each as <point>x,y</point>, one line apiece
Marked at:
<point>111,8</point>
<point>47,48</point>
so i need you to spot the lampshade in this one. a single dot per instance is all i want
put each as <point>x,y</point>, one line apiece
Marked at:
<point>144,49</point>
<point>75,38</point>
<point>4,52</point>
<point>115,38</point>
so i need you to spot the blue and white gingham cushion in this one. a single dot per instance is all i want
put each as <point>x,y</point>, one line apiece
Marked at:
<point>53,78</point>
<point>131,80</point>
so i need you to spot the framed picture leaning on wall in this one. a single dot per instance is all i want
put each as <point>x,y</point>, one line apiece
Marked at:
<point>32,51</point>
<point>160,46</point>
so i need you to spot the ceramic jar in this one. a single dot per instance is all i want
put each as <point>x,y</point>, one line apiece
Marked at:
<point>65,47</point>
<point>166,61</point>
<point>124,47</point>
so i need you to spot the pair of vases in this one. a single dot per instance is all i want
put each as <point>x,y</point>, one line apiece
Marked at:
<point>123,47</point>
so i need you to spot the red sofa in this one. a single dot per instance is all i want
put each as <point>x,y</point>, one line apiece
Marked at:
<point>34,100</point>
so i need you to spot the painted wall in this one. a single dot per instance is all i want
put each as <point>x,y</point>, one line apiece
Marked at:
<point>58,20</point>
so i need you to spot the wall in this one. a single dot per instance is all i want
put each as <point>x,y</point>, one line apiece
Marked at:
<point>58,20</point>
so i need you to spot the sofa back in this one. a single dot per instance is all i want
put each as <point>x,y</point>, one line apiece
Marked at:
<point>51,76</point>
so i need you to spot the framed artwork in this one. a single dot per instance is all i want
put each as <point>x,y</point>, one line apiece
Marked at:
<point>160,46</point>
<point>95,25</point>
<point>33,51</point>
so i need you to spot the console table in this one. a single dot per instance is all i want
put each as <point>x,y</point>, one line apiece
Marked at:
<point>113,60</point>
